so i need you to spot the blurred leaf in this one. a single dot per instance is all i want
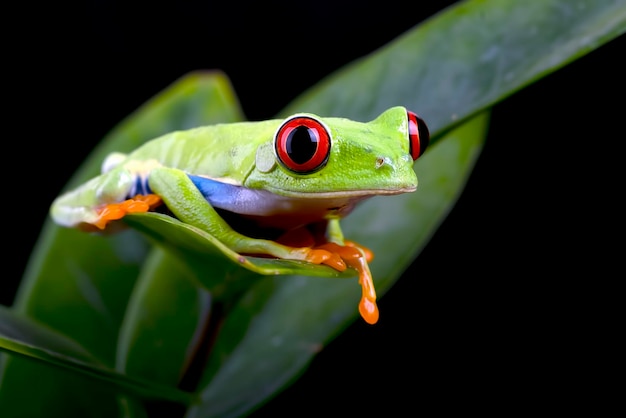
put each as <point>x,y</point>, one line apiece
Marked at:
<point>30,339</point>
<point>164,324</point>
<point>23,335</point>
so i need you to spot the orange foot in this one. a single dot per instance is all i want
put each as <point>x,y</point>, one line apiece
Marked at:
<point>114,211</point>
<point>339,257</point>
<point>369,254</point>
<point>355,256</point>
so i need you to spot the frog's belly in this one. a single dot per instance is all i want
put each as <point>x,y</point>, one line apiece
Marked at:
<point>274,211</point>
<point>292,213</point>
<point>269,209</point>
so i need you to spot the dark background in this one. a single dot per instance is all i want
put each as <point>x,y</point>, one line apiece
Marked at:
<point>483,313</point>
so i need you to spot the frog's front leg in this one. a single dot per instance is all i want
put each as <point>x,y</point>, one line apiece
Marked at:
<point>108,197</point>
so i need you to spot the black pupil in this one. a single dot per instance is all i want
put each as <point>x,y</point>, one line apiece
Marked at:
<point>301,144</point>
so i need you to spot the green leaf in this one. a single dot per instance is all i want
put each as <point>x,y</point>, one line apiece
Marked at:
<point>30,339</point>
<point>211,260</point>
<point>23,335</point>
<point>164,323</point>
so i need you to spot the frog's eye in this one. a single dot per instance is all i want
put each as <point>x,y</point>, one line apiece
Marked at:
<point>419,137</point>
<point>302,144</point>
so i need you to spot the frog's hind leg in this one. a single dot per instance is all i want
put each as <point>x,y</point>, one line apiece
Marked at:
<point>189,203</point>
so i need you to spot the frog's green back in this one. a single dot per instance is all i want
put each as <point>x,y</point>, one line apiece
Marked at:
<point>222,151</point>
<point>369,157</point>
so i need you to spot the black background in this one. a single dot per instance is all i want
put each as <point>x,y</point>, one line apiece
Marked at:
<point>483,313</point>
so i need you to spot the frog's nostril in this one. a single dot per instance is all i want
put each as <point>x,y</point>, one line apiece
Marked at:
<point>384,162</point>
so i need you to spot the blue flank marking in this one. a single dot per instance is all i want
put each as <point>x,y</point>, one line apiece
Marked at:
<point>216,193</point>
<point>141,187</point>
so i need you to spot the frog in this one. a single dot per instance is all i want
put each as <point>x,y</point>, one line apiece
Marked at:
<point>275,188</point>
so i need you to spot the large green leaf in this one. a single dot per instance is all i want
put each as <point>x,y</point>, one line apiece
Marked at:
<point>164,323</point>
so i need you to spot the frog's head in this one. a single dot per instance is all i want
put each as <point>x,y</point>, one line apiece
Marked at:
<point>310,156</point>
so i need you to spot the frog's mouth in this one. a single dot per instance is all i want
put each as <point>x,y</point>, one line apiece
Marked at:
<point>343,193</point>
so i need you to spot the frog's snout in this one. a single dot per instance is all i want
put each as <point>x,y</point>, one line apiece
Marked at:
<point>383,162</point>
<point>396,173</point>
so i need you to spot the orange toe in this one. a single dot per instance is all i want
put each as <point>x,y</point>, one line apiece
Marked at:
<point>351,255</point>
<point>369,254</point>
<point>114,211</point>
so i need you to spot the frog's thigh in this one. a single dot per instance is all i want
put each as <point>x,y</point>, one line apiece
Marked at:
<point>184,199</point>
<point>190,206</point>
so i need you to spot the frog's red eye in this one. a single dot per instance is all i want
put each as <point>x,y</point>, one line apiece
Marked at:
<point>419,137</point>
<point>302,144</point>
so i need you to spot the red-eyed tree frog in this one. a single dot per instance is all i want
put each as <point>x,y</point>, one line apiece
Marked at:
<point>274,188</point>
